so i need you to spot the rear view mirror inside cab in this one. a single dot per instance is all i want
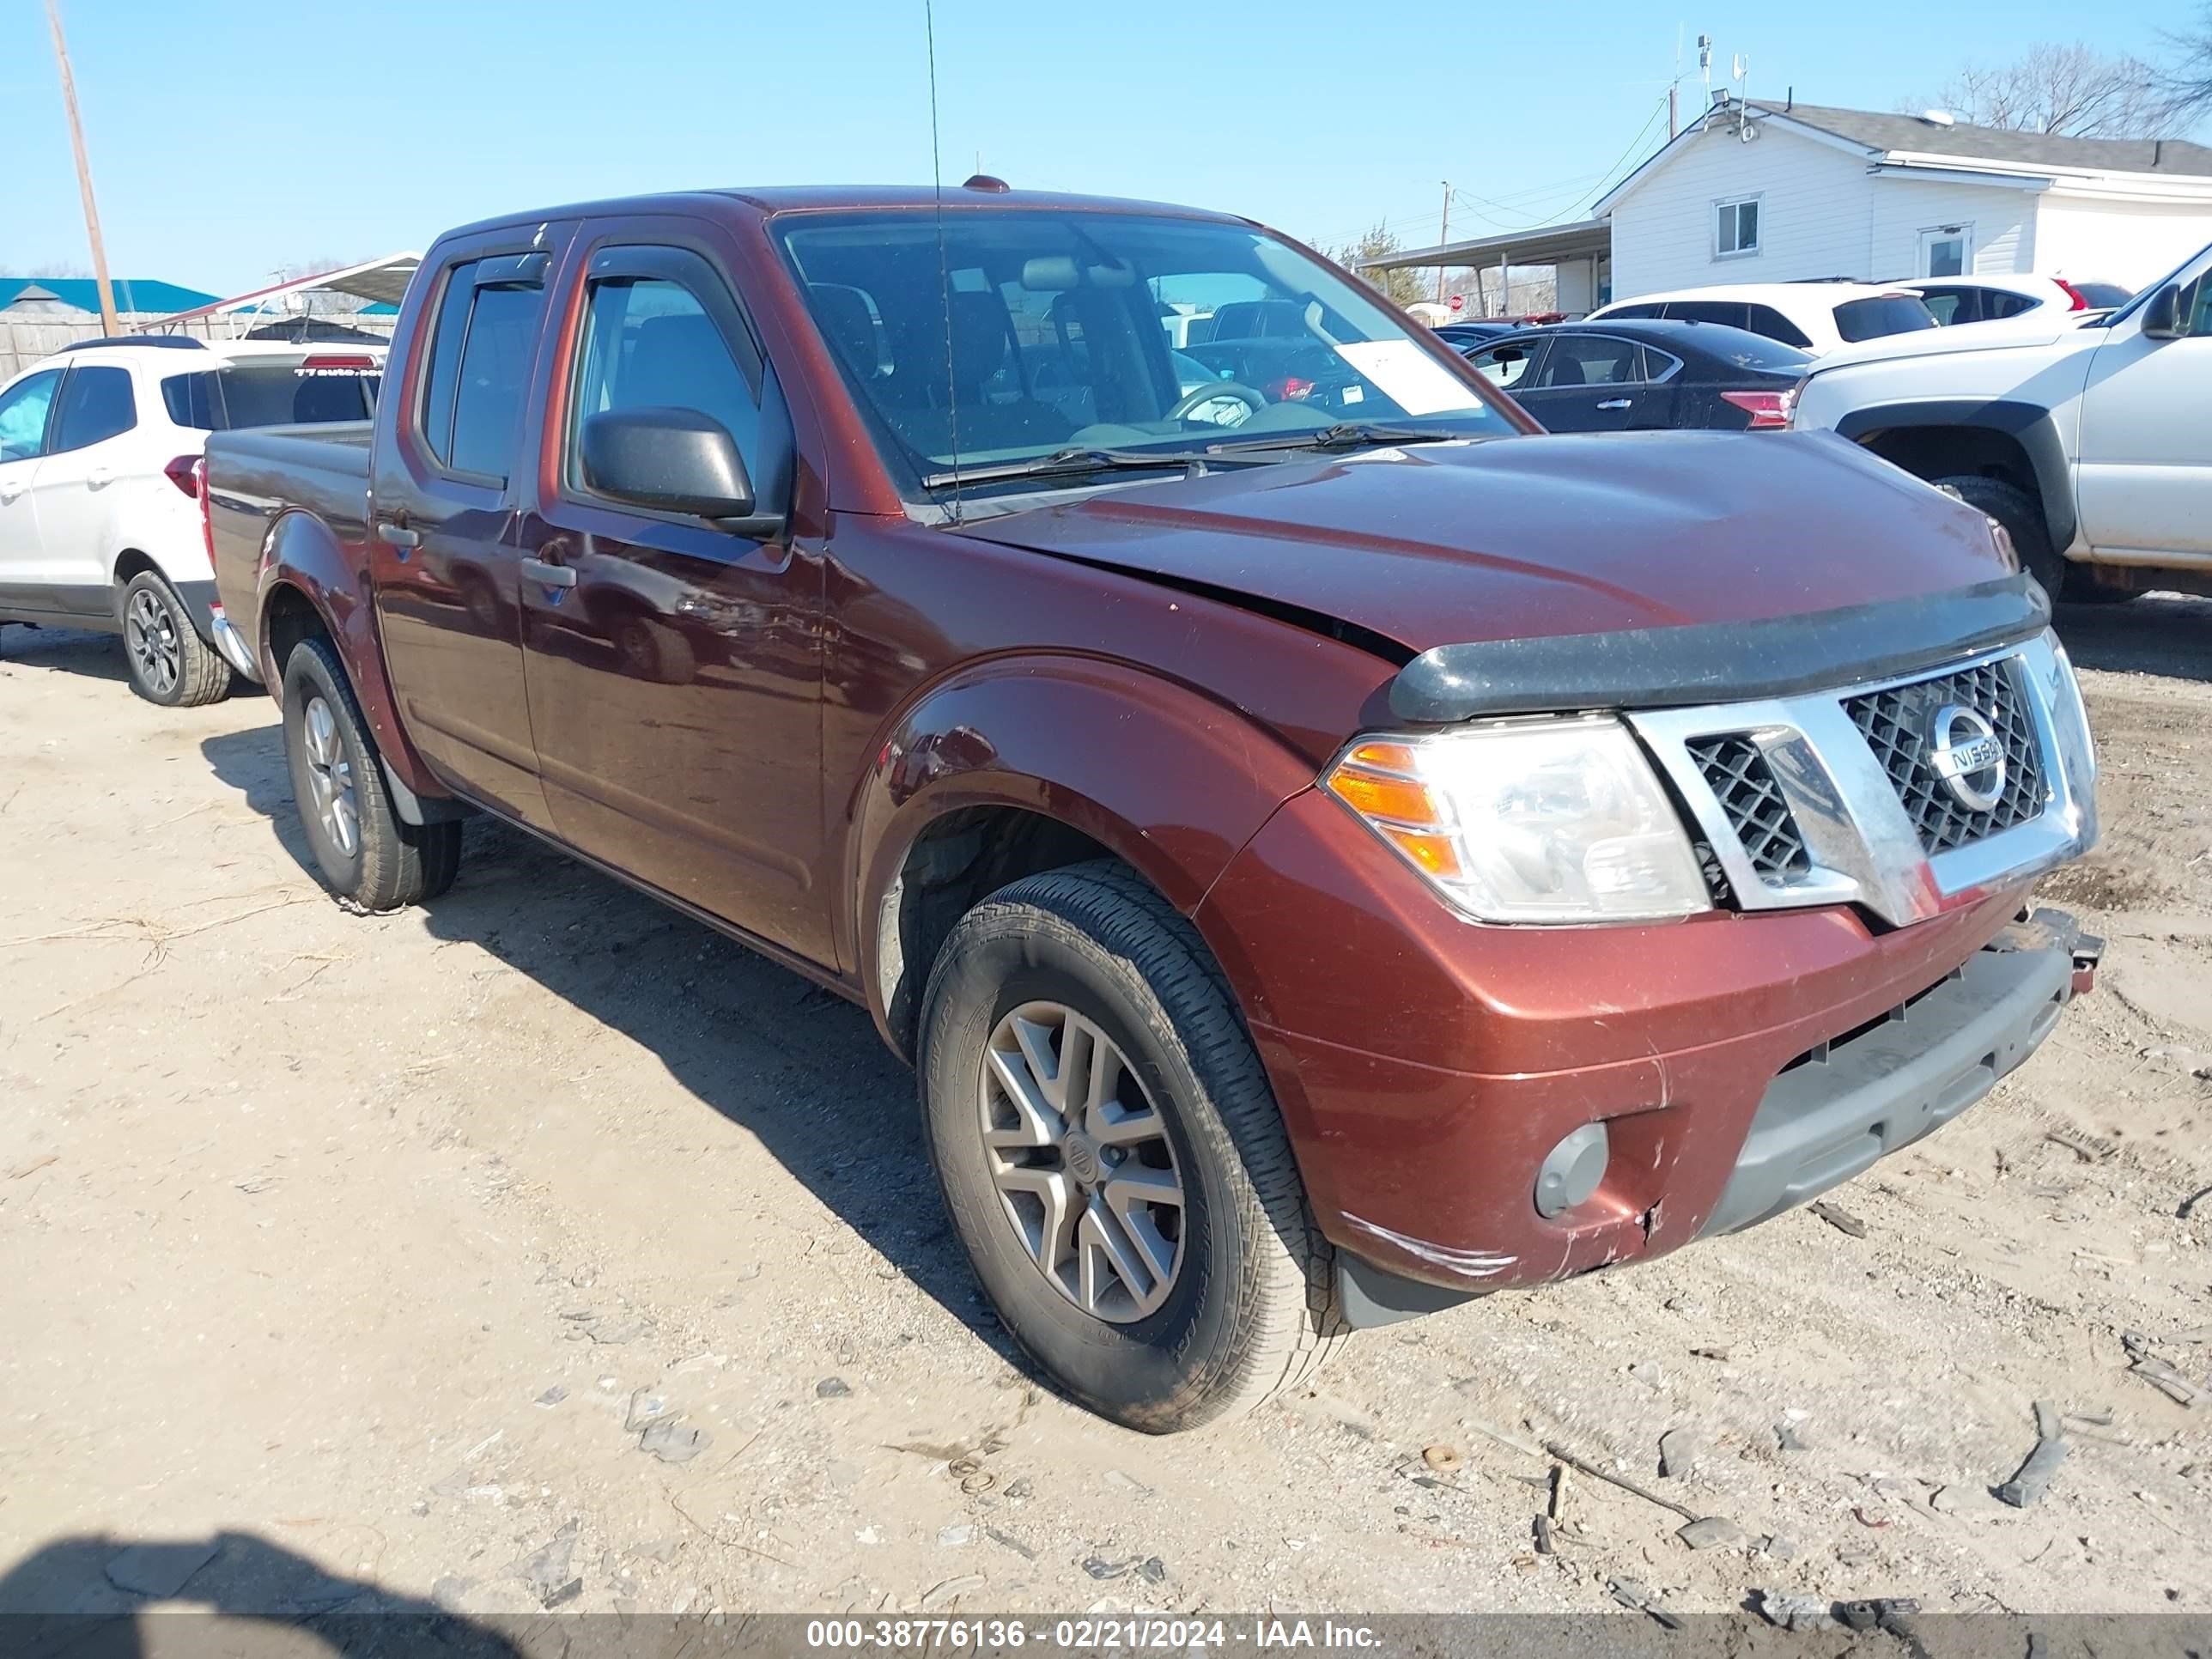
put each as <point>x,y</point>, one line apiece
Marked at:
<point>1058,273</point>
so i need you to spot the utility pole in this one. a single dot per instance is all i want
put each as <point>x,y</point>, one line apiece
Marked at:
<point>1444,234</point>
<point>109,324</point>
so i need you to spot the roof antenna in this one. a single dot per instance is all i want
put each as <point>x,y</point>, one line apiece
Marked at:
<point>944,270</point>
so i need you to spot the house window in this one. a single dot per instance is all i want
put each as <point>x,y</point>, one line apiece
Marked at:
<point>1736,228</point>
<point>1945,251</point>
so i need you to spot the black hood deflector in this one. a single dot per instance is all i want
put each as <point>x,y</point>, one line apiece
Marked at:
<point>1717,662</point>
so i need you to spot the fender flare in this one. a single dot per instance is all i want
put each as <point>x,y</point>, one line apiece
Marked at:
<point>2029,425</point>
<point>1164,777</point>
<point>301,552</point>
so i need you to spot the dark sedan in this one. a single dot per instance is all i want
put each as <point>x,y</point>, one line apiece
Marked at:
<point>1616,376</point>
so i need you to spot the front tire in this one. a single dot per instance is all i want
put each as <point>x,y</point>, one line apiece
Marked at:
<point>365,852</point>
<point>1113,1157</point>
<point>169,664</point>
<point>2021,515</point>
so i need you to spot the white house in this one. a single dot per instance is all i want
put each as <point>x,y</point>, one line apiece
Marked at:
<point>1766,192</point>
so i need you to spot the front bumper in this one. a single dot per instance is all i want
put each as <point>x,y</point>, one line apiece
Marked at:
<point>1426,1066</point>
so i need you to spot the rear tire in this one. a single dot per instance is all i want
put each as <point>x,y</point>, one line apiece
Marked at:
<point>2021,515</point>
<point>168,662</point>
<point>365,852</point>
<point>1086,960</point>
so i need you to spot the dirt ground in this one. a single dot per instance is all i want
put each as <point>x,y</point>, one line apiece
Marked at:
<point>356,1253</point>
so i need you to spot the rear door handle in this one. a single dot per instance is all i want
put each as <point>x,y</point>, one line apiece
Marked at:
<point>397,534</point>
<point>9,491</point>
<point>1616,403</point>
<point>99,478</point>
<point>548,575</point>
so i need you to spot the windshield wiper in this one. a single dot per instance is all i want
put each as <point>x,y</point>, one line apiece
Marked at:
<point>1345,434</point>
<point>1068,463</point>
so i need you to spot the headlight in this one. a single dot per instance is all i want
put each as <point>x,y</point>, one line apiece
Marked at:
<point>1535,821</point>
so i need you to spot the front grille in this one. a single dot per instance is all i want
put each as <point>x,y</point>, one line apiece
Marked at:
<point>1738,775</point>
<point>1898,726</point>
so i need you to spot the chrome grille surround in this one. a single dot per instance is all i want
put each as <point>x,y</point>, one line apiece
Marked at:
<point>1864,846</point>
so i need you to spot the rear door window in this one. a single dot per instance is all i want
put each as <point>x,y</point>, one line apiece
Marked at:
<point>239,396</point>
<point>96,405</point>
<point>1729,313</point>
<point>1765,319</point>
<point>23,410</point>
<point>481,353</point>
<point>1884,314</point>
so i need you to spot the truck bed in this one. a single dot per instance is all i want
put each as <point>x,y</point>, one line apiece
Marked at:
<point>254,476</point>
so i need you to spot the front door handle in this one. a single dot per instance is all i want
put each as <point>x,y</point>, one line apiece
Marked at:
<point>99,478</point>
<point>398,535</point>
<point>1616,403</point>
<point>9,491</point>
<point>548,575</point>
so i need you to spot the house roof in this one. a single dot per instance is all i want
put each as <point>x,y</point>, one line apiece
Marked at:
<point>1912,135</point>
<point>83,293</point>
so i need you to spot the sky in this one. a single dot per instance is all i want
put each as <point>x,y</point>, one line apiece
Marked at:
<point>228,140</point>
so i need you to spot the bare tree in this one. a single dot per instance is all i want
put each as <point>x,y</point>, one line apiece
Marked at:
<point>60,268</point>
<point>2076,91</point>
<point>2186,80</point>
<point>1400,288</point>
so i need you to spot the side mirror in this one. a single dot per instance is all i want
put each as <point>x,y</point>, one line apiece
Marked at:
<point>676,461</point>
<point>2161,318</point>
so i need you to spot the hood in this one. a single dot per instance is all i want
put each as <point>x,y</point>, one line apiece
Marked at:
<point>1523,537</point>
<point>2004,334</point>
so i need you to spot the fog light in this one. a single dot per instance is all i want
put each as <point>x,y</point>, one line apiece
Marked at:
<point>1571,1173</point>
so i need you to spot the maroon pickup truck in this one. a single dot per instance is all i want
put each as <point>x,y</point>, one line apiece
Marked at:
<point>1328,851</point>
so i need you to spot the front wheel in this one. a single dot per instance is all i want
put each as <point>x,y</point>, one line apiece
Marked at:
<point>365,852</point>
<point>1113,1157</point>
<point>168,662</point>
<point>2021,515</point>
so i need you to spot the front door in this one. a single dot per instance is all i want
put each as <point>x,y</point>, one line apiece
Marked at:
<point>442,558</point>
<point>674,666</point>
<point>90,462</point>
<point>1592,383</point>
<point>24,408</point>
<point>2144,480</point>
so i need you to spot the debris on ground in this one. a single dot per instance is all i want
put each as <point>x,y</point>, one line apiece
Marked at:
<point>1442,1459</point>
<point>1796,1612</point>
<point>2159,1372</point>
<point>1679,1452</point>
<point>545,1568</point>
<point>2090,1149</point>
<point>951,1590</point>
<point>832,1387</point>
<point>647,1408</point>
<point>1841,1219</point>
<point>552,1396</point>
<point>1710,1533</point>
<point>674,1442</point>
<point>1786,1438</point>
<point>1612,1479</point>
<point>2034,1477</point>
<point>1629,1594</point>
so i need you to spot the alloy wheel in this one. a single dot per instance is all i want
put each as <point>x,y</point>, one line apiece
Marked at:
<point>1081,1158</point>
<point>150,633</point>
<point>330,776</point>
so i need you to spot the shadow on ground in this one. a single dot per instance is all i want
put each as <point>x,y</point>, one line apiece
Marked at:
<point>800,1069</point>
<point>82,1598</point>
<point>62,651</point>
<point>2159,633</point>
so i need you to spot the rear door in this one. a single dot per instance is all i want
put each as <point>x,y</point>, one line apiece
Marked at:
<point>675,665</point>
<point>1590,383</point>
<point>25,410</point>
<point>442,557</point>
<point>2144,478</point>
<point>92,465</point>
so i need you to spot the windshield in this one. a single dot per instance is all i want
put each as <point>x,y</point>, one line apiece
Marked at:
<point>1107,331</point>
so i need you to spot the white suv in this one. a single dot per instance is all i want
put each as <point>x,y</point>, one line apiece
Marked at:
<point>1814,316</point>
<point>2033,299</point>
<point>101,525</point>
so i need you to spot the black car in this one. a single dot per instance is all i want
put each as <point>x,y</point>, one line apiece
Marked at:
<point>1616,376</point>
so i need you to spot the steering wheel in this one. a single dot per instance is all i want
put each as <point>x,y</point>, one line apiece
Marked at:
<point>1237,392</point>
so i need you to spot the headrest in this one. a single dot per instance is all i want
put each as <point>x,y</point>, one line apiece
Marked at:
<point>842,315</point>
